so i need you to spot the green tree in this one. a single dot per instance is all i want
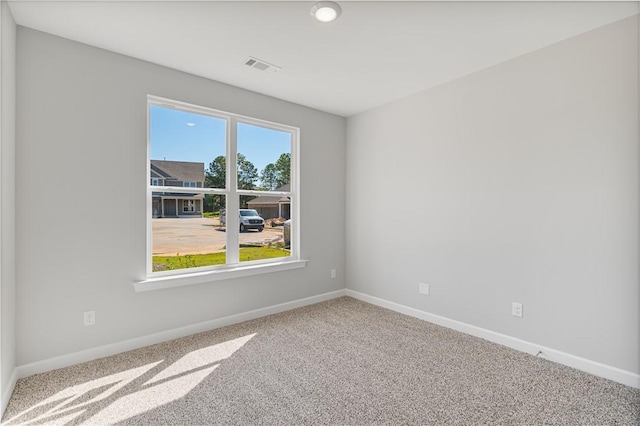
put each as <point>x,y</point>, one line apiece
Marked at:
<point>273,176</point>
<point>283,167</point>
<point>215,177</point>
<point>247,173</point>
<point>269,177</point>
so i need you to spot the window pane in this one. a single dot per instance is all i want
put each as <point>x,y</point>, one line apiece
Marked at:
<point>186,148</point>
<point>260,238</point>
<point>184,236</point>
<point>264,158</point>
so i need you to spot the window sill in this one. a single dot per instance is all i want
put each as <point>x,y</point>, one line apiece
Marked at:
<point>171,281</point>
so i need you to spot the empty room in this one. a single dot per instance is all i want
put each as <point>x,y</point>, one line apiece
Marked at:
<point>332,213</point>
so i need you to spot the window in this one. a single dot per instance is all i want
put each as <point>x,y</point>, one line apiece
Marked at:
<point>212,214</point>
<point>188,206</point>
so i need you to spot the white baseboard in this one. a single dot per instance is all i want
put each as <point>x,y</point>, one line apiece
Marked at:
<point>139,342</point>
<point>8,390</point>
<point>592,367</point>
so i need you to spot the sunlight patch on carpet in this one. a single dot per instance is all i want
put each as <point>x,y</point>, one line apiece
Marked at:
<point>73,398</point>
<point>147,399</point>
<point>117,397</point>
<point>201,358</point>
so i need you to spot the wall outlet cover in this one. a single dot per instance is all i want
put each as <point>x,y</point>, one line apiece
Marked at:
<point>90,318</point>
<point>516,309</point>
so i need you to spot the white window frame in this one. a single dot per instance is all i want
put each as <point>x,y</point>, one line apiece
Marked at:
<point>233,267</point>
<point>156,182</point>
<point>189,184</point>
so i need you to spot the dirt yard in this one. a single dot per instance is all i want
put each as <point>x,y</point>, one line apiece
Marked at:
<point>202,235</point>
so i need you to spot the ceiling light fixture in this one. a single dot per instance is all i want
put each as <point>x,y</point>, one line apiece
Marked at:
<point>326,11</point>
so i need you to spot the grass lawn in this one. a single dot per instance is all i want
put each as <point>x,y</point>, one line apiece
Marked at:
<point>168,263</point>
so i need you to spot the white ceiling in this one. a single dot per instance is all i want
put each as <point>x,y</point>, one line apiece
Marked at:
<point>375,53</point>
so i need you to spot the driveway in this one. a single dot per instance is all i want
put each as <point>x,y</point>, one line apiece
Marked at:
<point>201,235</point>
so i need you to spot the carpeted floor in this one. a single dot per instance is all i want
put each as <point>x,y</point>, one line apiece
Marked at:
<point>337,362</point>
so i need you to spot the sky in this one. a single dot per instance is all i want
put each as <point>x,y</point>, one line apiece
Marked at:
<point>184,136</point>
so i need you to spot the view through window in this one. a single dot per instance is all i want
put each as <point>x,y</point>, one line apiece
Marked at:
<point>198,216</point>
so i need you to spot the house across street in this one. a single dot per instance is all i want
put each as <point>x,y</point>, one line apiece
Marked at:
<point>178,174</point>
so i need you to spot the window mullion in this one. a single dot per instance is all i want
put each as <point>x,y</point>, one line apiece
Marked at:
<point>295,194</point>
<point>233,201</point>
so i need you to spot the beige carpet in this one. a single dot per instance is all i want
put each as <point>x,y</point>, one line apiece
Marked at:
<point>337,362</point>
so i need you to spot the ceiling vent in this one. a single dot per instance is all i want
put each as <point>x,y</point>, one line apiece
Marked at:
<point>261,65</point>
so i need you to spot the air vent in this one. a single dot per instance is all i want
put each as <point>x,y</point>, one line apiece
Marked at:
<point>261,65</point>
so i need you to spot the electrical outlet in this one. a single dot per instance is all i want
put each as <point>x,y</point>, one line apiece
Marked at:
<point>516,309</point>
<point>423,288</point>
<point>90,318</point>
<point>333,273</point>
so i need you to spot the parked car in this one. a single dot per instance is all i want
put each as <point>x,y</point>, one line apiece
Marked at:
<point>249,219</point>
<point>286,232</point>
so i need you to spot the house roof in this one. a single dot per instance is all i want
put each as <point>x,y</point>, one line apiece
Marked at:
<point>184,171</point>
<point>156,173</point>
<point>265,199</point>
<point>179,195</point>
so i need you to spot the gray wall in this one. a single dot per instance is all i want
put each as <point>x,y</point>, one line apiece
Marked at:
<point>81,112</point>
<point>7,199</point>
<point>517,183</point>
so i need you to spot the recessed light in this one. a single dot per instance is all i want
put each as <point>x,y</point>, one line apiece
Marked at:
<point>326,11</point>
<point>191,124</point>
